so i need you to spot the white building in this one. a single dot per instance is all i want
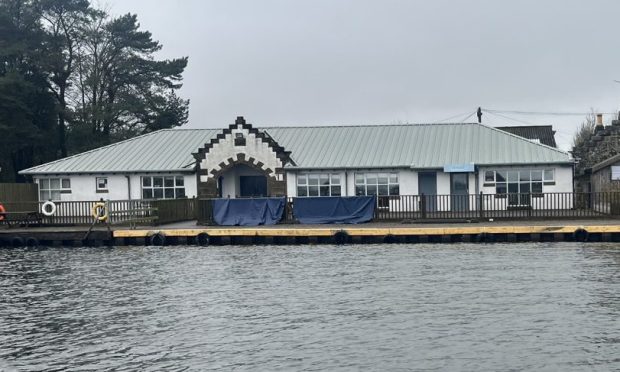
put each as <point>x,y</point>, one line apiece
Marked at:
<point>243,161</point>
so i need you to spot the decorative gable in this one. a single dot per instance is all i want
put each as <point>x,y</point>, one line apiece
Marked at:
<point>240,143</point>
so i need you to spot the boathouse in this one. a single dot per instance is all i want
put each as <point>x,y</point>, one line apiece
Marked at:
<point>246,161</point>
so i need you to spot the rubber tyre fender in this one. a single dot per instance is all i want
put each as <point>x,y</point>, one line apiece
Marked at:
<point>341,238</point>
<point>203,239</point>
<point>581,235</point>
<point>157,239</point>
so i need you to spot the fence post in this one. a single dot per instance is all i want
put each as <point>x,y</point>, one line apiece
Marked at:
<point>481,204</point>
<point>422,206</point>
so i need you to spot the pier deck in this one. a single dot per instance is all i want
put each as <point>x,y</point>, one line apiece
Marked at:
<point>190,233</point>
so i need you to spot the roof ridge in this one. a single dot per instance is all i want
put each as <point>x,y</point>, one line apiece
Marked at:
<point>525,139</point>
<point>93,150</point>
<point>362,125</point>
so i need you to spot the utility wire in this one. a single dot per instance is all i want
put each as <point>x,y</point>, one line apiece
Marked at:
<point>547,113</point>
<point>467,117</point>
<point>509,118</point>
<point>451,117</point>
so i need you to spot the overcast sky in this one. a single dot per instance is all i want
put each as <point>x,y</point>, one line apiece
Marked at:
<point>386,61</point>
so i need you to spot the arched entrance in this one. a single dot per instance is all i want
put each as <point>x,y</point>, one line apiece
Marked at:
<point>243,181</point>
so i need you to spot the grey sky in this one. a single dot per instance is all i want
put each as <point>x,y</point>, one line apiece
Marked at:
<point>387,61</point>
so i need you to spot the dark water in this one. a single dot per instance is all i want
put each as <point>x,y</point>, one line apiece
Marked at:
<point>498,307</point>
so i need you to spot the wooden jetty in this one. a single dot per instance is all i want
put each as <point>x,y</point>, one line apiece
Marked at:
<point>186,234</point>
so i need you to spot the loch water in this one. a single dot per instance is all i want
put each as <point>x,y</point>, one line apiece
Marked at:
<point>435,307</point>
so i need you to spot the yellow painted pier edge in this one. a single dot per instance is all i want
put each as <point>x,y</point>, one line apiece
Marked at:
<point>365,231</point>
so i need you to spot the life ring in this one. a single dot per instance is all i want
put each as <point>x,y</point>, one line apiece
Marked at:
<point>100,211</point>
<point>2,212</point>
<point>52,209</point>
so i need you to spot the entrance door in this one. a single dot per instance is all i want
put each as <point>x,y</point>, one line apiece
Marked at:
<point>252,186</point>
<point>427,185</point>
<point>459,191</point>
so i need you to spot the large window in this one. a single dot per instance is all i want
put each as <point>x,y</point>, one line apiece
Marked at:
<point>381,184</point>
<point>163,187</point>
<point>51,188</point>
<point>519,181</point>
<point>615,173</point>
<point>319,184</point>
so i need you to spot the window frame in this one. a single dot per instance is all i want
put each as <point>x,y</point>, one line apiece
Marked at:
<point>519,176</point>
<point>162,187</point>
<point>611,173</point>
<point>303,182</point>
<point>389,184</point>
<point>102,190</point>
<point>62,189</point>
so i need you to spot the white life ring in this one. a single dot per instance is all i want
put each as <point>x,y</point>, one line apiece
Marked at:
<point>100,211</point>
<point>51,211</point>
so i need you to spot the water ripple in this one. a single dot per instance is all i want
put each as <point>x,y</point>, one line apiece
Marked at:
<point>312,308</point>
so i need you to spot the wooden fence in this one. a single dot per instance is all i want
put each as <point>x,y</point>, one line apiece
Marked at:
<point>20,194</point>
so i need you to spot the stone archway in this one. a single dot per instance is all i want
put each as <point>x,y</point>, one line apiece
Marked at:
<point>241,145</point>
<point>228,180</point>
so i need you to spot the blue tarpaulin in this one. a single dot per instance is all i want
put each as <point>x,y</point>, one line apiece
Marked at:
<point>335,209</point>
<point>248,212</point>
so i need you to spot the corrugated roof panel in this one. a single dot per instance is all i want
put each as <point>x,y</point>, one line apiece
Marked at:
<point>415,145</point>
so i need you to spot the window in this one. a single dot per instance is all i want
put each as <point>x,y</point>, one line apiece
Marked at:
<point>163,187</point>
<point>519,181</point>
<point>319,184</point>
<point>239,139</point>
<point>51,188</point>
<point>102,184</point>
<point>615,172</point>
<point>381,184</point>
<point>549,177</point>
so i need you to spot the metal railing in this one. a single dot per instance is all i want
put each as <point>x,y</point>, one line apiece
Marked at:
<point>498,206</point>
<point>389,208</point>
<point>141,212</point>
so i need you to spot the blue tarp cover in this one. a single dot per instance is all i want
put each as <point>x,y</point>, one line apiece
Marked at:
<point>248,212</point>
<point>334,209</point>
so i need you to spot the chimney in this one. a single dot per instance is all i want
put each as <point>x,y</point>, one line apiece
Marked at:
<point>599,123</point>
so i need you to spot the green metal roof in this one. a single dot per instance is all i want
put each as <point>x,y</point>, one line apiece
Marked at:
<point>375,146</point>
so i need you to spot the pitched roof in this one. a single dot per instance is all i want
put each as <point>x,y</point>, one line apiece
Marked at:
<point>374,146</point>
<point>607,162</point>
<point>542,133</point>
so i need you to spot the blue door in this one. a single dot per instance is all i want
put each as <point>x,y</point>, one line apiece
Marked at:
<point>459,191</point>
<point>427,185</point>
<point>252,186</point>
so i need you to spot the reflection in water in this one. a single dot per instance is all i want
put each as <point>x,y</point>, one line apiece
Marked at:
<point>422,307</point>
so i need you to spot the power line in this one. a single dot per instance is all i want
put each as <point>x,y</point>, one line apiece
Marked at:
<point>509,118</point>
<point>547,113</point>
<point>452,117</point>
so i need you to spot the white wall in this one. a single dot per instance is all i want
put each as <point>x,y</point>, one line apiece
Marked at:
<point>83,187</point>
<point>563,184</point>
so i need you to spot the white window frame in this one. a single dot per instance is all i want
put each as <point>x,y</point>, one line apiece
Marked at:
<point>149,190</point>
<point>97,185</point>
<point>614,172</point>
<point>45,187</point>
<point>362,180</point>
<point>327,184</point>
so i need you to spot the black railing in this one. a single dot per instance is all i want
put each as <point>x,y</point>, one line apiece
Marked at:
<point>389,208</point>
<point>498,206</point>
